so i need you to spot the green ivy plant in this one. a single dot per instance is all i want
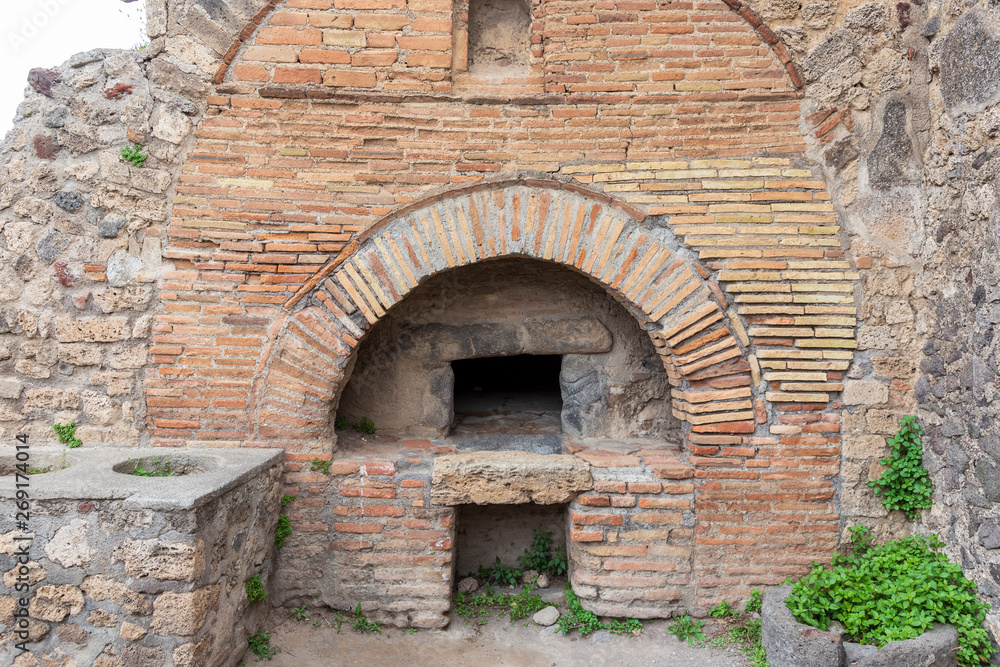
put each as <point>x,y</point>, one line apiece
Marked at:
<point>905,484</point>
<point>133,155</point>
<point>255,589</point>
<point>67,434</point>
<point>894,591</point>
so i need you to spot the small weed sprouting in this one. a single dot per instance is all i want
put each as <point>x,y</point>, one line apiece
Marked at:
<point>287,498</point>
<point>338,620</point>
<point>722,610</point>
<point>411,631</point>
<point>748,637</point>
<point>154,467</point>
<point>365,426</point>
<point>255,589</point>
<point>301,614</point>
<point>321,466</point>
<point>578,618</point>
<point>630,627</point>
<point>755,602</point>
<point>133,155</point>
<point>500,574</point>
<point>687,630</point>
<point>363,625</point>
<point>317,623</point>
<point>259,645</point>
<point>32,470</point>
<point>480,607</point>
<point>340,423</point>
<point>67,434</point>
<point>283,530</point>
<point>525,603</point>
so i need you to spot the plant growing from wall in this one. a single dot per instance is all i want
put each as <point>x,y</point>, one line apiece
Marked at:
<point>287,498</point>
<point>133,155</point>
<point>755,602</point>
<point>363,625</point>
<point>722,610</point>
<point>67,434</point>
<point>321,466</point>
<point>283,530</point>
<point>894,591</point>
<point>905,484</point>
<point>255,589</point>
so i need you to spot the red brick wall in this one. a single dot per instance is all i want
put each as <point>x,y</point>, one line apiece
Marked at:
<point>336,130</point>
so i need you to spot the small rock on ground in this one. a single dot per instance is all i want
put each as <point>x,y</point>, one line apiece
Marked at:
<point>468,585</point>
<point>547,616</point>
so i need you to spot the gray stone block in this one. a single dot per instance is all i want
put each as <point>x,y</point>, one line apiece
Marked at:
<point>970,62</point>
<point>791,644</point>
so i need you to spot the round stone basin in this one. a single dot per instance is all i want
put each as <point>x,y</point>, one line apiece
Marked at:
<point>179,465</point>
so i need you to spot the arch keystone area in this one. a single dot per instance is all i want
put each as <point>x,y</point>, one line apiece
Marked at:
<point>545,220</point>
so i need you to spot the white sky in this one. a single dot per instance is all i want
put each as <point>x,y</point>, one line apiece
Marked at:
<point>44,33</point>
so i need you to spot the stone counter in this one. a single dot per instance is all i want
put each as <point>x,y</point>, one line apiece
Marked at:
<point>126,570</point>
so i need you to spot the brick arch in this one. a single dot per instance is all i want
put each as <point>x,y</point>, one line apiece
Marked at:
<point>546,220</point>
<point>766,34</point>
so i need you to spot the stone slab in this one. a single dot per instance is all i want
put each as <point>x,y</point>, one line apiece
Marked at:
<point>507,478</point>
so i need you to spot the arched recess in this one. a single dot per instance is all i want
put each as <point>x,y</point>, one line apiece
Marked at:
<point>547,220</point>
<point>764,32</point>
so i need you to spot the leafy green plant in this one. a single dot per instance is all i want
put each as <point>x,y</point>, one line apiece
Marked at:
<point>894,591</point>
<point>525,603</point>
<point>338,620</point>
<point>287,498</point>
<point>578,618</point>
<point>500,574</point>
<point>540,557</point>
<point>133,154</point>
<point>67,434</point>
<point>301,614</point>
<point>722,610</point>
<point>363,625</point>
<point>283,530</point>
<point>687,630</point>
<point>630,627</point>
<point>154,467</point>
<point>259,645</point>
<point>255,589</point>
<point>365,426</point>
<point>905,484</point>
<point>755,602</point>
<point>319,465</point>
<point>340,423</point>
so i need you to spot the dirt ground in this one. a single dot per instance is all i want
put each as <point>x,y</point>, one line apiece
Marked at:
<point>499,642</point>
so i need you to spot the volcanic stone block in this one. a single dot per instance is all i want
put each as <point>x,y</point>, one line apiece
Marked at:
<point>970,62</point>
<point>508,478</point>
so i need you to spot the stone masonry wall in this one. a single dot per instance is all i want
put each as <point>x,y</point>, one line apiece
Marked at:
<point>114,586</point>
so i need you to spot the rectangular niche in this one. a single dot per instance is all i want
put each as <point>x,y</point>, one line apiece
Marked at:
<point>518,394</point>
<point>499,37</point>
<point>484,532</point>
